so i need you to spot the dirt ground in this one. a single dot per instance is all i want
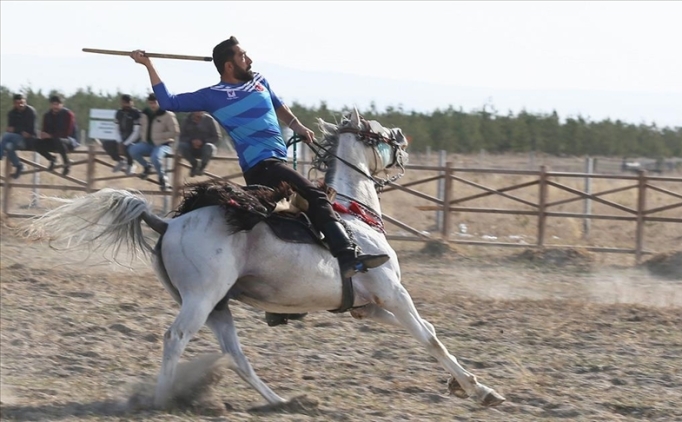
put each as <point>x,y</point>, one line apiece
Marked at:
<point>561,337</point>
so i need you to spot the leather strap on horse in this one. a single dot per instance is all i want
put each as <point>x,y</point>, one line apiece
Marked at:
<point>347,296</point>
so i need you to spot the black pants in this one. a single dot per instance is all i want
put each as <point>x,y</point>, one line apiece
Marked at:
<point>45,146</point>
<point>191,154</point>
<point>115,149</point>
<point>272,172</point>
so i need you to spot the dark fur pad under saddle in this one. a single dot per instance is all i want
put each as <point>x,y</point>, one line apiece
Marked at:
<point>246,206</point>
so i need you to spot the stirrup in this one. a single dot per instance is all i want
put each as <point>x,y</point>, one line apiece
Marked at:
<point>362,263</point>
<point>274,320</point>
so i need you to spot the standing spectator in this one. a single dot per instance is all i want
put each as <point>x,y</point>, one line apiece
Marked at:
<point>20,133</point>
<point>198,139</point>
<point>128,122</point>
<point>159,130</point>
<point>57,134</point>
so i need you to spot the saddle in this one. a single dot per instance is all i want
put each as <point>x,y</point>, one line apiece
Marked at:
<point>282,209</point>
<point>294,228</point>
<point>289,221</point>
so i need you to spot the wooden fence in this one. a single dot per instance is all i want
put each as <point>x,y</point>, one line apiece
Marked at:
<point>445,204</point>
<point>91,158</point>
<point>543,208</point>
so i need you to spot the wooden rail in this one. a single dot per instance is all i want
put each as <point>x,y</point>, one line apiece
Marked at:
<point>542,210</point>
<point>543,180</point>
<point>92,183</point>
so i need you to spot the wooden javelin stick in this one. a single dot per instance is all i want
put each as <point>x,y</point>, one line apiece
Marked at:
<point>152,55</point>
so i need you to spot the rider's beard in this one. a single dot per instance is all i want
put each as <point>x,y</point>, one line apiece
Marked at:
<point>243,75</point>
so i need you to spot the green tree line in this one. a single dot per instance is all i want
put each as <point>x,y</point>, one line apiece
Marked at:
<point>450,129</point>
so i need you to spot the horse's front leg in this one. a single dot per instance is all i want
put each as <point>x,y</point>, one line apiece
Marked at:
<point>394,306</point>
<point>374,312</point>
<point>222,325</point>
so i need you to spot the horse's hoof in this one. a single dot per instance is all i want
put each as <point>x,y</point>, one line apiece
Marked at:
<point>492,399</point>
<point>455,389</point>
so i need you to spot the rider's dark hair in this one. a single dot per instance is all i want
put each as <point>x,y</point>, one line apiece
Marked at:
<point>223,53</point>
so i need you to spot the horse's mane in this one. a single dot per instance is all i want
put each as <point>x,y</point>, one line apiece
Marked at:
<point>243,206</point>
<point>330,139</point>
<point>330,131</point>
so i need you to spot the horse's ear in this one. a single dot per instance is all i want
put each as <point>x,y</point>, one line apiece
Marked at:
<point>355,117</point>
<point>325,127</point>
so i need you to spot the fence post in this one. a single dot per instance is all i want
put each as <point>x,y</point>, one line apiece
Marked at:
<point>35,202</point>
<point>542,206</point>
<point>303,156</point>
<point>641,208</point>
<point>587,206</point>
<point>447,194</point>
<point>440,187</point>
<point>177,177</point>
<point>6,192</point>
<point>90,169</point>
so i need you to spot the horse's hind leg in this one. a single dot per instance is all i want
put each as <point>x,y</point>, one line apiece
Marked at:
<point>222,325</point>
<point>400,310</point>
<point>192,316</point>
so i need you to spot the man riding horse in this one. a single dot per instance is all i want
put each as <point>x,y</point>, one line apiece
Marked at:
<point>245,105</point>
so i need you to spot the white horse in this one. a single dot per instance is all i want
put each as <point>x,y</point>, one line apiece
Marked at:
<point>203,262</point>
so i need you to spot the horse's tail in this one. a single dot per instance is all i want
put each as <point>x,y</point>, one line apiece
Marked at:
<point>108,218</point>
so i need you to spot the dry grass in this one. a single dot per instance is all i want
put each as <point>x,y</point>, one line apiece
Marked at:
<point>80,340</point>
<point>666,265</point>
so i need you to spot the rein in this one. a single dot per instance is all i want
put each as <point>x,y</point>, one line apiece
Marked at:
<point>318,147</point>
<point>367,136</point>
<point>370,138</point>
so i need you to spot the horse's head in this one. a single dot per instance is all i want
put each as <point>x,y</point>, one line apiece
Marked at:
<point>364,145</point>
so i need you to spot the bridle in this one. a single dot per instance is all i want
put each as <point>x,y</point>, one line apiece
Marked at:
<point>370,138</point>
<point>373,139</point>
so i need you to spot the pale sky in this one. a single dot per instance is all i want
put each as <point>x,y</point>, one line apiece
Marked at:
<point>600,59</point>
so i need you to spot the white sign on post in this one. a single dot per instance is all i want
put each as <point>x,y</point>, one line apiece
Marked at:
<point>102,125</point>
<point>103,130</point>
<point>102,114</point>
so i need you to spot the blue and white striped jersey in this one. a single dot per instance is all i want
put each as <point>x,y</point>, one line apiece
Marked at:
<point>246,111</point>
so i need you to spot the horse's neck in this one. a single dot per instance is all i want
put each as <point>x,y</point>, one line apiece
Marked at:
<point>350,183</point>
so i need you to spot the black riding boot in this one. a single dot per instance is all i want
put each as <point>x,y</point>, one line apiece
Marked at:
<point>350,263</point>
<point>274,320</point>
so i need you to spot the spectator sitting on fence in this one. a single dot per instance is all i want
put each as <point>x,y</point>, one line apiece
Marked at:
<point>20,134</point>
<point>159,130</point>
<point>57,134</point>
<point>199,135</point>
<point>128,122</point>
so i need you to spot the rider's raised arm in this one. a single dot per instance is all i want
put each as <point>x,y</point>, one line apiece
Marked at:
<point>190,101</point>
<point>194,101</point>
